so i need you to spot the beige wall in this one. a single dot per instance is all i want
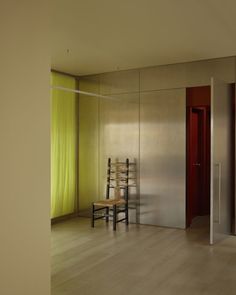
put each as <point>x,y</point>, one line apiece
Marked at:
<point>24,148</point>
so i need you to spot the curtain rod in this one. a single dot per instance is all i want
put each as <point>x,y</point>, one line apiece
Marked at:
<point>82,92</point>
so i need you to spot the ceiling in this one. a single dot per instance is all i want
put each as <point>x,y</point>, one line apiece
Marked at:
<point>96,36</point>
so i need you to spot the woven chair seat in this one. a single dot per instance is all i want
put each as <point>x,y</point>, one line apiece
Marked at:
<point>110,202</point>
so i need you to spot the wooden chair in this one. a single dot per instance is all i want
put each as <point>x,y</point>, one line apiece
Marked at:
<point>118,180</point>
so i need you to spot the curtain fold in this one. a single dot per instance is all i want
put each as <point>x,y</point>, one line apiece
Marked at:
<point>63,147</point>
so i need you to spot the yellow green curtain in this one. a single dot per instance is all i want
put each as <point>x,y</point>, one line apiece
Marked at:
<point>63,147</point>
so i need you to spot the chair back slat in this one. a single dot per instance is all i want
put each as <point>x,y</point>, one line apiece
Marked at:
<point>118,179</point>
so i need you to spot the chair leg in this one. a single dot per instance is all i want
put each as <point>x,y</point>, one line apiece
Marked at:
<point>126,213</point>
<point>107,214</point>
<point>114,217</point>
<point>92,220</point>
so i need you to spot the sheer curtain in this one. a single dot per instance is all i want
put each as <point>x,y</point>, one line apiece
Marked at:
<point>63,147</point>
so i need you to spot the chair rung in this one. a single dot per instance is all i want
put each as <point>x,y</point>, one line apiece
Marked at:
<point>101,215</point>
<point>120,211</point>
<point>120,220</point>
<point>122,179</point>
<point>98,209</point>
<point>120,186</point>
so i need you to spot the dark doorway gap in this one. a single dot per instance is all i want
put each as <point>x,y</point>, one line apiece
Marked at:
<point>198,152</point>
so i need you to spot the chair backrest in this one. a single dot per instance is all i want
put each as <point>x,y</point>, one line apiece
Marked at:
<point>108,178</point>
<point>118,179</point>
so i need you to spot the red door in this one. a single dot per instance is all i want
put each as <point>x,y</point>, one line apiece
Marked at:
<point>198,159</point>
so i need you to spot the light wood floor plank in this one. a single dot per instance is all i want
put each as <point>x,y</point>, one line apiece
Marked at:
<point>139,260</point>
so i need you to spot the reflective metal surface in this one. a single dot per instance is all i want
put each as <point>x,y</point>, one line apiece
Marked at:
<point>119,82</point>
<point>163,158</point>
<point>109,128</point>
<point>220,160</point>
<point>119,139</point>
<point>190,74</point>
<point>88,146</point>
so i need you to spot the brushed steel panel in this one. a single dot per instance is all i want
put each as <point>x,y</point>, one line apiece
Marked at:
<point>120,82</point>
<point>163,158</point>
<point>119,139</point>
<point>200,73</point>
<point>90,83</point>
<point>88,186</point>
<point>187,74</point>
<point>220,160</point>
<point>88,152</point>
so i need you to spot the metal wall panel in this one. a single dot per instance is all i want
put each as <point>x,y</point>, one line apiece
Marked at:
<point>120,82</point>
<point>163,158</point>
<point>221,143</point>
<point>114,131</point>
<point>119,139</point>
<point>88,184</point>
<point>187,74</point>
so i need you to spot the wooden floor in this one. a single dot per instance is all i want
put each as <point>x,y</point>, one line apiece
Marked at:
<point>138,261</point>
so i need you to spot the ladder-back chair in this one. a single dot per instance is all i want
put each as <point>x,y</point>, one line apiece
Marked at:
<point>118,180</point>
